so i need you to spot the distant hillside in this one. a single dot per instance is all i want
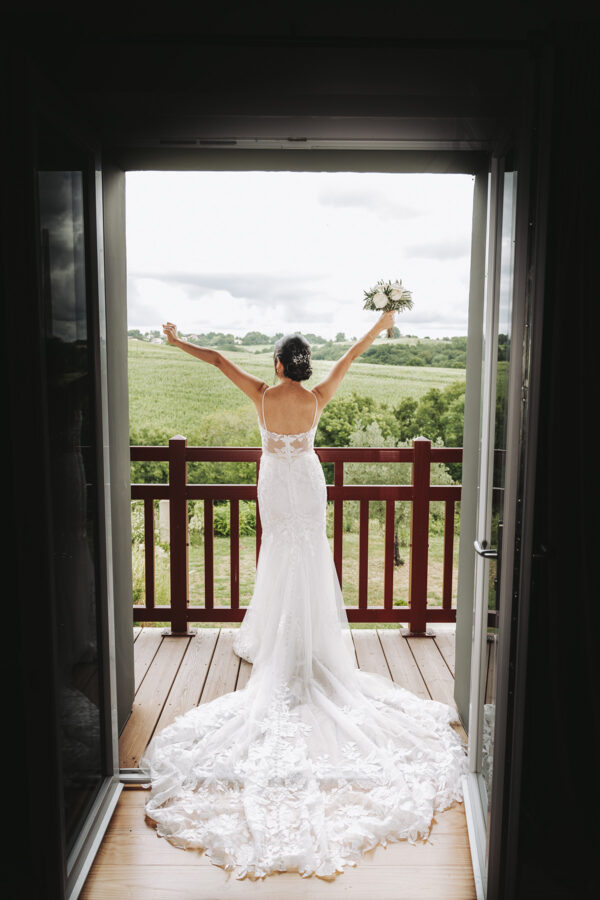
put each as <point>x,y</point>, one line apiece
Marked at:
<point>170,392</point>
<point>447,353</point>
<point>444,353</point>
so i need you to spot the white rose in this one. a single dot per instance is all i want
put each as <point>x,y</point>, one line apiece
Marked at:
<point>398,286</point>
<point>396,293</point>
<point>380,299</point>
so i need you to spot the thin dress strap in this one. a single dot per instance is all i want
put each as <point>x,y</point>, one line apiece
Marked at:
<point>316,409</point>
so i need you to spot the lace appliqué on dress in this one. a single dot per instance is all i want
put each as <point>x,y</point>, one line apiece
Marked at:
<point>278,805</point>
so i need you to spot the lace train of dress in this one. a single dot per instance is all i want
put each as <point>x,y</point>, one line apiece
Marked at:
<point>314,761</point>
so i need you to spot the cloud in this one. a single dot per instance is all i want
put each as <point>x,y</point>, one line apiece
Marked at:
<point>260,288</point>
<point>371,200</point>
<point>138,308</point>
<point>442,249</point>
<point>448,316</point>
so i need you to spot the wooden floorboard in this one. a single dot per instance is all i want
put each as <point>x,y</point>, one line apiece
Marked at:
<point>134,862</point>
<point>243,674</point>
<point>436,674</point>
<point>144,651</point>
<point>401,662</point>
<point>433,668</point>
<point>369,652</point>
<point>447,646</point>
<point>367,880</point>
<point>175,674</point>
<point>150,699</point>
<point>223,673</point>
<point>191,676</point>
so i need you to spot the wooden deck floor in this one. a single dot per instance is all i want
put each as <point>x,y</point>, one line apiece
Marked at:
<point>172,675</point>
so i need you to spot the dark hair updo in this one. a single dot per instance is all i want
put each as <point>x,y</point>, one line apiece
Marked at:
<point>294,352</point>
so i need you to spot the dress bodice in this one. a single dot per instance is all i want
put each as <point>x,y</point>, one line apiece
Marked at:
<point>287,446</point>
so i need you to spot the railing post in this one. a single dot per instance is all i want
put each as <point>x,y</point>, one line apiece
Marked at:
<point>149,551</point>
<point>419,538</point>
<point>234,552</point>
<point>209,579</point>
<point>179,542</point>
<point>388,565</point>
<point>338,519</point>
<point>448,554</point>
<point>363,555</point>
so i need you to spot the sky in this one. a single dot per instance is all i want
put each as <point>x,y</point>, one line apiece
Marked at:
<point>295,251</point>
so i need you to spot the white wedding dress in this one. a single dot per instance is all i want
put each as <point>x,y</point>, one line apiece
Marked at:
<point>314,761</point>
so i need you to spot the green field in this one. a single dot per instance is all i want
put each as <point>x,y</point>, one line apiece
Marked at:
<point>171,393</point>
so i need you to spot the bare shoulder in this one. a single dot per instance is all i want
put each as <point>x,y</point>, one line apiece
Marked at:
<point>323,394</point>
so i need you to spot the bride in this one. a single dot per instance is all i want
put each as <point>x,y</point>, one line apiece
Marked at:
<point>314,761</point>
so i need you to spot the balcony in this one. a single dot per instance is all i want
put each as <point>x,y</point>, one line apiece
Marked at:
<point>180,666</point>
<point>410,606</point>
<point>174,673</point>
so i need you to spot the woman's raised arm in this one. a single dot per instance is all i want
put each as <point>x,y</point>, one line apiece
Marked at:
<point>249,384</point>
<point>327,388</point>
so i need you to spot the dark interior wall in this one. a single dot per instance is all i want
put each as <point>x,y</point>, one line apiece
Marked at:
<point>31,791</point>
<point>558,830</point>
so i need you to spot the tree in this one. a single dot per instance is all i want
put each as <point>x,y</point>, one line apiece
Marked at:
<point>404,413</point>
<point>390,473</point>
<point>255,337</point>
<point>345,414</point>
<point>428,417</point>
<point>378,473</point>
<point>340,336</point>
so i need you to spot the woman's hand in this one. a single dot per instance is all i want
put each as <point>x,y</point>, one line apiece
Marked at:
<point>386,320</point>
<point>171,332</point>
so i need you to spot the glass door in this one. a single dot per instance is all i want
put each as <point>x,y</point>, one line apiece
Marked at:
<point>68,204</point>
<point>502,194</point>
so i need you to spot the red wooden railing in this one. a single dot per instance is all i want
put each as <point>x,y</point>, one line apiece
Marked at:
<point>420,493</point>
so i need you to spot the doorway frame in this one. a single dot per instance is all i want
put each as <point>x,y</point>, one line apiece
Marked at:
<point>474,162</point>
<point>278,155</point>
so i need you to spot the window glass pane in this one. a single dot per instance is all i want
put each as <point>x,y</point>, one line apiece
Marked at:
<point>74,484</point>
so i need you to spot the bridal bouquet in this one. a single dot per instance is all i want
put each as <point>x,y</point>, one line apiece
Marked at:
<point>387,296</point>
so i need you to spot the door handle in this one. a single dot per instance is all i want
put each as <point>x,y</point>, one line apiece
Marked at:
<point>542,552</point>
<point>483,550</point>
